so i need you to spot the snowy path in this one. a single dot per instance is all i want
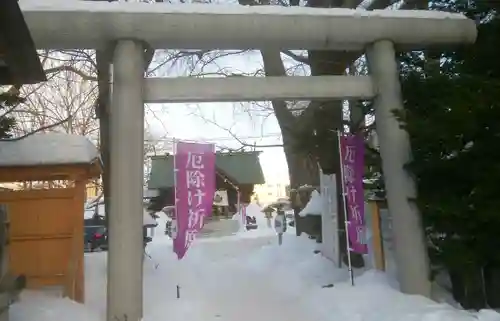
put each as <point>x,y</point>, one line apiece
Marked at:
<point>247,277</point>
<point>256,301</point>
<point>230,293</point>
<point>243,294</point>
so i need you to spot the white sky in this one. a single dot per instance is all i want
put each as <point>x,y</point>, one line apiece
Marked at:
<point>218,122</point>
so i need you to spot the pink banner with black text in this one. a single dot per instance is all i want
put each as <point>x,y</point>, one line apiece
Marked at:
<point>352,155</point>
<point>194,189</point>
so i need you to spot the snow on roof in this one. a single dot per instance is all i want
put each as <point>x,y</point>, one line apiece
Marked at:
<point>229,9</point>
<point>48,149</point>
<point>91,24</point>
<point>314,206</point>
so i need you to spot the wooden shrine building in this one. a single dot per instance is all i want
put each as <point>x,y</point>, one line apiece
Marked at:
<point>237,169</point>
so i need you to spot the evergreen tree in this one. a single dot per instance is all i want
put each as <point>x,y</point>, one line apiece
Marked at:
<point>7,103</point>
<point>452,114</point>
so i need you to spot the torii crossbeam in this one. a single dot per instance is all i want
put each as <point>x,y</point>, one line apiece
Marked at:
<point>93,25</point>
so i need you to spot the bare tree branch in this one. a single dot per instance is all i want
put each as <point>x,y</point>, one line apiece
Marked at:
<point>65,102</point>
<point>297,57</point>
<point>72,69</point>
<point>233,135</point>
<point>41,129</point>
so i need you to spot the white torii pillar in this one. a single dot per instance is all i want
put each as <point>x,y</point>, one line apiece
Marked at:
<point>125,256</point>
<point>395,151</point>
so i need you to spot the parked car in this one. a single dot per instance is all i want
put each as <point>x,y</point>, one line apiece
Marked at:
<point>95,235</point>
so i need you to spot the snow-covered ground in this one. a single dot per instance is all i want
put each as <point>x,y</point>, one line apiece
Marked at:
<point>254,210</point>
<point>247,277</point>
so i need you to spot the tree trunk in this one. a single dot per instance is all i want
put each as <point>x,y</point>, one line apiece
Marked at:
<point>468,288</point>
<point>103,101</point>
<point>334,63</point>
<point>301,168</point>
<point>457,286</point>
<point>492,285</point>
<point>324,62</point>
<point>302,171</point>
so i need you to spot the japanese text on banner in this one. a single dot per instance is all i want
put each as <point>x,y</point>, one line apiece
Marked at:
<point>352,153</point>
<point>195,181</point>
<point>195,188</point>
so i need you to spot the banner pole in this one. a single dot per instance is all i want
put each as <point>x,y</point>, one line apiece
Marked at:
<point>239,210</point>
<point>174,227</point>
<point>174,152</point>
<point>346,217</point>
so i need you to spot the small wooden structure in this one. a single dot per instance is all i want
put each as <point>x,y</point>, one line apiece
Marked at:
<point>45,215</point>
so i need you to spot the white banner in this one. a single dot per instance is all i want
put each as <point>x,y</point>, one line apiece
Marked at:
<point>329,218</point>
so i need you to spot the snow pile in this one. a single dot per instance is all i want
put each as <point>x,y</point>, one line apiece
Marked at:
<point>248,279</point>
<point>160,238</point>
<point>148,220</point>
<point>34,306</point>
<point>294,272</point>
<point>253,210</point>
<point>314,206</point>
<point>256,211</point>
<point>372,299</point>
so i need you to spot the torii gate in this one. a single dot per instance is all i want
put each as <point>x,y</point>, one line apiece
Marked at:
<point>91,25</point>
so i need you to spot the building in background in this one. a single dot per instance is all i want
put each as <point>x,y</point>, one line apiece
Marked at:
<point>93,189</point>
<point>270,192</point>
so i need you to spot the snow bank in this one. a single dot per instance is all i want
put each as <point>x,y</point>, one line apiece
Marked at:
<point>35,306</point>
<point>248,279</point>
<point>314,206</point>
<point>148,220</point>
<point>294,271</point>
<point>254,210</point>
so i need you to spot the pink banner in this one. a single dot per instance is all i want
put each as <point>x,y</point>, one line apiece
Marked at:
<point>194,190</point>
<point>352,155</point>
